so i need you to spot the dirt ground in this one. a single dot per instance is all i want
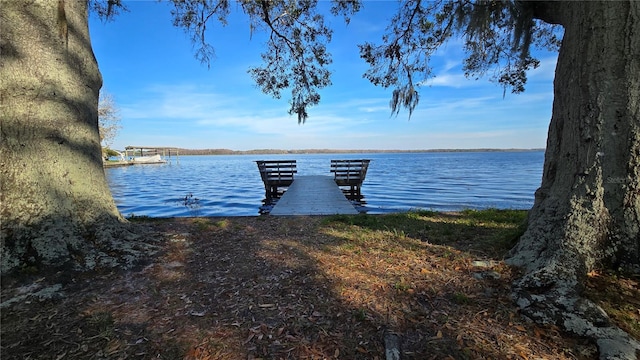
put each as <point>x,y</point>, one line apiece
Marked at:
<point>282,288</point>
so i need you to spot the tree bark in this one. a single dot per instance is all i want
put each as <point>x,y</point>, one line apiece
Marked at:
<point>586,213</point>
<point>56,206</point>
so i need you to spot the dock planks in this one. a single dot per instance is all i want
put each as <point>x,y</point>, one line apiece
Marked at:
<point>313,195</point>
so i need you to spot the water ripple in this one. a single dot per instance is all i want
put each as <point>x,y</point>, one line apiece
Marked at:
<point>230,185</point>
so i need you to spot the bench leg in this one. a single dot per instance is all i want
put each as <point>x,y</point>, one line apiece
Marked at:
<point>272,192</point>
<point>268,193</point>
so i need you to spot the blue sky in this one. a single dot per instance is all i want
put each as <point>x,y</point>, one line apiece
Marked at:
<point>167,98</point>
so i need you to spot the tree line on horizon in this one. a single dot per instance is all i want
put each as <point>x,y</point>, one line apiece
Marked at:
<point>183,151</point>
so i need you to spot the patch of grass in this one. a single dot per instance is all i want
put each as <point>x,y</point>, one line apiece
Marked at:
<point>425,213</point>
<point>619,296</point>
<point>139,218</point>
<point>222,224</point>
<point>510,225</point>
<point>490,231</point>
<point>206,224</point>
<point>460,298</point>
<point>101,323</point>
<point>362,220</point>
<point>402,285</point>
<point>202,224</point>
<point>497,216</point>
<point>144,218</point>
<point>360,314</point>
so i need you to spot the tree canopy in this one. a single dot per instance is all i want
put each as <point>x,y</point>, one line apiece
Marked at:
<point>296,56</point>
<point>498,38</point>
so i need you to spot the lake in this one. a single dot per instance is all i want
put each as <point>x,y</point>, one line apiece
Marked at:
<point>230,185</point>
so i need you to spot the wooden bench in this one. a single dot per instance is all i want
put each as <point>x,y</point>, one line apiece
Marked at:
<point>350,173</point>
<point>276,174</point>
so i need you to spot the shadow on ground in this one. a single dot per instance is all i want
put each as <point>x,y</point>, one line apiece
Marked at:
<point>293,288</point>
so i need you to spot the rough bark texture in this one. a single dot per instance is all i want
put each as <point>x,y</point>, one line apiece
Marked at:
<point>56,207</point>
<point>587,211</point>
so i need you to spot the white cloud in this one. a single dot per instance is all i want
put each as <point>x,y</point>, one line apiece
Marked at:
<point>546,71</point>
<point>195,116</point>
<point>450,80</point>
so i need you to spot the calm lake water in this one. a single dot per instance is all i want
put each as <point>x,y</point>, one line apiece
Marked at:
<point>230,185</point>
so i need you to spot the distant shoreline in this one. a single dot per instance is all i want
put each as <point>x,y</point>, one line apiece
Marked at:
<point>181,151</point>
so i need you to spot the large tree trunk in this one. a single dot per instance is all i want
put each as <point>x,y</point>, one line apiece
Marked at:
<point>56,207</point>
<point>587,211</point>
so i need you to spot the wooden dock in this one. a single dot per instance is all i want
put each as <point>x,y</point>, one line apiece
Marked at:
<point>313,195</point>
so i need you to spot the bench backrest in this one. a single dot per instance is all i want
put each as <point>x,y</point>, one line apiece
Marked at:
<point>350,170</point>
<point>276,170</point>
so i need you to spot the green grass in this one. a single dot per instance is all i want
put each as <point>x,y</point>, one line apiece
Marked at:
<point>144,218</point>
<point>496,216</point>
<point>491,230</point>
<point>460,298</point>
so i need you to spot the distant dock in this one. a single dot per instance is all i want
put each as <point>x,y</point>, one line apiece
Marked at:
<point>313,195</point>
<point>136,155</point>
<point>110,164</point>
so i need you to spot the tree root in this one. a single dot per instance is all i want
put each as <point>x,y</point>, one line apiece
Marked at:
<point>559,303</point>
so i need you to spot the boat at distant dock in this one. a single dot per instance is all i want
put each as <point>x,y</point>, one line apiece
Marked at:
<point>139,157</point>
<point>152,159</point>
<point>143,154</point>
